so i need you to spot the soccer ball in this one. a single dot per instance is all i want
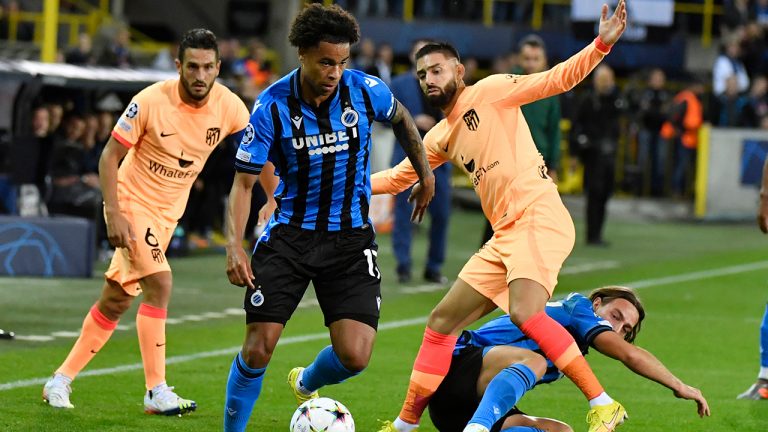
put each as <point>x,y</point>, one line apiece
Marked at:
<point>322,415</point>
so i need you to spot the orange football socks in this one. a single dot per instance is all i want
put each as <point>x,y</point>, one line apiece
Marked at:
<point>558,345</point>
<point>429,369</point>
<point>97,329</point>
<point>150,325</point>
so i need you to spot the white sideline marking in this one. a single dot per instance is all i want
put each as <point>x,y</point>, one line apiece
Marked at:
<point>685,277</point>
<point>698,275</point>
<point>588,267</point>
<point>215,353</point>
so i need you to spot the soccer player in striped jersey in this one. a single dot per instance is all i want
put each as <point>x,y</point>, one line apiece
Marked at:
<point>484,132</point>
<point>495,365</point>
<point>313,126</point>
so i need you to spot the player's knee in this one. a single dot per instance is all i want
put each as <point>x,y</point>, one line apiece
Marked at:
<point>560,427</point>
<point>537,363</point>
<point>354,362</point>
<point>442,320</point>
<point>520,313</point>
<point>257,355</point>
<point>114,307</point>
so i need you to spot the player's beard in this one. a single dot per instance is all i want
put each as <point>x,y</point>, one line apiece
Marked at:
<point>189,88</point>
<point>444,98</point>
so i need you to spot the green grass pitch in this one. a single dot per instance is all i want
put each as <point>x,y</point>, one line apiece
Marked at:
<point>704,287</point>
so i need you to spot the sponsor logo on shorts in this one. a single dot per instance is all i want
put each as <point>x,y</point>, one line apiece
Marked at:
<point>157,255</point>
<point>378,302</point>
<point>257,298</point>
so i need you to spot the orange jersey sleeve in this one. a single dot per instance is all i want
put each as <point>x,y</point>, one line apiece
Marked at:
<point>403,175</point>
<point>517,90</point>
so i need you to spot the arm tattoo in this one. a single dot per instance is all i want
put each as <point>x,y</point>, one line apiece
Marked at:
<point>410,140</point>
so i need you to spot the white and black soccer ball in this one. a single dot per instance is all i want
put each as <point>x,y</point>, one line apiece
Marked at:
<point>322,415</point>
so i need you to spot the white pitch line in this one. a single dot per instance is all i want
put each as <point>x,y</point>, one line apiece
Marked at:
<point>685,277</point>
<point>699,275</point>
<point>197,356</point>
<point>588,267</point>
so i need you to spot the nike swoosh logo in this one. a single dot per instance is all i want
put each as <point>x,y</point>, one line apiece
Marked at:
<point>163,134</point>
<point>93,352</point>
<point>611,423</point>
<point>159,345</point>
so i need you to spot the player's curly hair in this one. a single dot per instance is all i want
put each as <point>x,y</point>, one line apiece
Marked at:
<point>609,293</point>
<point>198,38</point>
<point>318,23</point>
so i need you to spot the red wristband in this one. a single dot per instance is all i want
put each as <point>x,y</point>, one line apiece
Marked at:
<point>601,46</point>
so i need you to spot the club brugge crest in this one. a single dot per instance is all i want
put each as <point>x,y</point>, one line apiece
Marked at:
<point>349,117</point>
<point>257,298</point>
<point>471,119</point>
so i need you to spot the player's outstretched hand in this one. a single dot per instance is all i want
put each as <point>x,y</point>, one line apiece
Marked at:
<point>694,394</point>
<point>611,28</point>
<point>762,215</point>
<point>421,196</point>
<point>119,231</point>
<point>238,268</point>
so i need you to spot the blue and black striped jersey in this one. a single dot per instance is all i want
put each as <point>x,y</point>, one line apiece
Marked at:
<point>320,153</point>
<point>574,313</point>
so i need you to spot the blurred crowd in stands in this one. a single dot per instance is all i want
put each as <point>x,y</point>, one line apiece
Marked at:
<point>644,127</point>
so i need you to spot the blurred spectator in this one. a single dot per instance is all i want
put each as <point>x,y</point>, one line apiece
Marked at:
<point>730,104</point>
<point>205,207</point>
<point>365,56</point>
<point>686,118</point>
<point>82,54</point>
<point>735,16</point>
<point>428,8</point>
<point>727,64</point>
<point>757,103</point>
<point>543,115</point>
<point>596,131</point>
<point>753,49</point>
<point>166,57</point>
<point>405,87</point>
<point>382,66</point>
<point>91,144</point>
<point>75,191</point>
<point>761,12</point>
<point>25,31</point>
<point>255,66</point>
<point>364,8</point>
<point>471,70</point>
<point>653,109</point>
<point>229,53</point>
<point>56,113</point>
<point>117,53</point>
